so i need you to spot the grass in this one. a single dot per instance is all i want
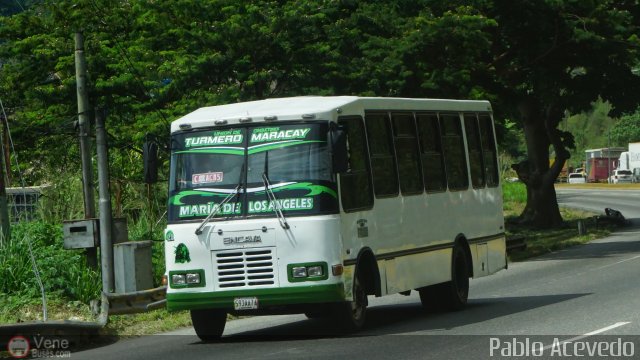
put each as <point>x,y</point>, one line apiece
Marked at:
<point>541,242</point>
<point>153,322</point>
<point>15,309</point>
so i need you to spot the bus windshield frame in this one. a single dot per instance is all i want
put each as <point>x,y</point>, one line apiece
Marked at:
<point>209,164</point>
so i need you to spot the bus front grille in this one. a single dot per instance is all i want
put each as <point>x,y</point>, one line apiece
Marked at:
<point>244,268</point>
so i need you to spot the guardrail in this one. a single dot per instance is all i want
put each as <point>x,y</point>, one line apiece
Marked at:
<point>137,302</point>
<point>516,243</point>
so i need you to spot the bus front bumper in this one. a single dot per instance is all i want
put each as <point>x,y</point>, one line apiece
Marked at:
<point>267,298</point>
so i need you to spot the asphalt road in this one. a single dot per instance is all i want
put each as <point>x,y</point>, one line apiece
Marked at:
<point>582,294</point>
<point>626,201</point>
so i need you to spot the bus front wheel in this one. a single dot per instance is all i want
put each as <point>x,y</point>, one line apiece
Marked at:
<point>351,315</point>
<point>209,323</point>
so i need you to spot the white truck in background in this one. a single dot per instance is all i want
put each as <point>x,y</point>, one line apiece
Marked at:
<point>630,160</point>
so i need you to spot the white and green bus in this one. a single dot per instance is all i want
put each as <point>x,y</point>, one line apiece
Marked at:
<point>311,204</point>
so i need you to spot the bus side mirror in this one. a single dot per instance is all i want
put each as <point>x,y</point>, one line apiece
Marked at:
<point>339,149</point>
<point>150,159</point>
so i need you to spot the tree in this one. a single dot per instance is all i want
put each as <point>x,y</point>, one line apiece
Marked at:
<point>151,62</point>
<point>627,129</point>
<point>551,56</point>
<point>590,130</point>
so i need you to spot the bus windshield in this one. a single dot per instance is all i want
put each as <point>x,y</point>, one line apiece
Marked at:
<point>209,165</point>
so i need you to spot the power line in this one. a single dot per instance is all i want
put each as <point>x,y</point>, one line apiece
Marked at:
<point>19,4</point>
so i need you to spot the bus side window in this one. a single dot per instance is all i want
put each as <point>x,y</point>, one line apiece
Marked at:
<point>454,152</point>
<point>383,165</point>
<point>431,153</point>
<point>407,153</point>
<point>355,184</point>
<point>489,152</point>
<point>475,151</point>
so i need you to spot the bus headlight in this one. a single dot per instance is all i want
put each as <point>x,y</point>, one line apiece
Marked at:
<point>314,271</point>
<point>186,278</point>
<point>299,272</point>
<point>178,279</point>
<point>193,278</point>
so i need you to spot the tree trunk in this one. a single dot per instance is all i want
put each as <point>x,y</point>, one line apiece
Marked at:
<point>540,132</point>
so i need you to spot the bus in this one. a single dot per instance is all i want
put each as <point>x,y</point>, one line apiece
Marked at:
<point>312,204</point>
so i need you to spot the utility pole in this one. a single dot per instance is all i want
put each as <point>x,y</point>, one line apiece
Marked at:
<point>106,246</point>
<point>84,127</point>
<point>609,156</point>
<point>7,147</point>
<point>5,222</point>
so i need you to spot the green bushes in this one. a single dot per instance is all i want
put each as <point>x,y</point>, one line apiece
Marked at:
<point>149,228</point>
<point>514,192</point>
<point>63,272</point>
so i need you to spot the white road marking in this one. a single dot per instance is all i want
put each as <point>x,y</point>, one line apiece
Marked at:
<point>595,332</point>
<point>618,262</point>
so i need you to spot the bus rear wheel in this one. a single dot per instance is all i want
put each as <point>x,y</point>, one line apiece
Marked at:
<point>451,295</point>
<point>209,323</point>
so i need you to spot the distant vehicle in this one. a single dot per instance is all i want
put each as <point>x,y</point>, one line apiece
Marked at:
<point>599,169</point>
<point>636,175</point>
<point>576,178</point>
<point>630,160</point>
<point>621,176</point>
<point>600,163</point>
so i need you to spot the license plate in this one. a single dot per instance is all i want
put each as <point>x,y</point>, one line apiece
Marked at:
<point>245,303</point>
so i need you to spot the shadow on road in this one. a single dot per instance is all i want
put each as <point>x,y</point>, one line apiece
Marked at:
<point>403,318</point>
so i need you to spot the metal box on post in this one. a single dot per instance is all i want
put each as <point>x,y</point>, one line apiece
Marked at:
<point>81,234</point>
<point>132,268</point>
<point>119,232</point>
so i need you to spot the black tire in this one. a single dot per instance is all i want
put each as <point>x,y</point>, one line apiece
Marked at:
<point>322,311</point>
<point>433,297</point>
<point>352,315</point>
<point>457,290</point>
<point>209,323</point>
<point>452,295</point>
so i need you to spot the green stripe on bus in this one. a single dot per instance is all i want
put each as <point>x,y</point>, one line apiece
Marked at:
<point>312,188</point>
<point>266,297</point>
<point>272,146</point>
<point>212,151</point>
<point>177,199</point>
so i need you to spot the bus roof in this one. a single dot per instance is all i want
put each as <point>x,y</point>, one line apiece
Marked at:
<point>318,107</point>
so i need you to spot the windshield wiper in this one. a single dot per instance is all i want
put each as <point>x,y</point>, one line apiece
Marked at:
<point>270,195</point>
<point>216,209</point>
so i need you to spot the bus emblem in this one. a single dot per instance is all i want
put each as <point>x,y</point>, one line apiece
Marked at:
<point>231,240</point>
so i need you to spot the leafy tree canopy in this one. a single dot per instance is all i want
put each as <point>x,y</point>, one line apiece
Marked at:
<point>627,129</point>
<point>151,62</point>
